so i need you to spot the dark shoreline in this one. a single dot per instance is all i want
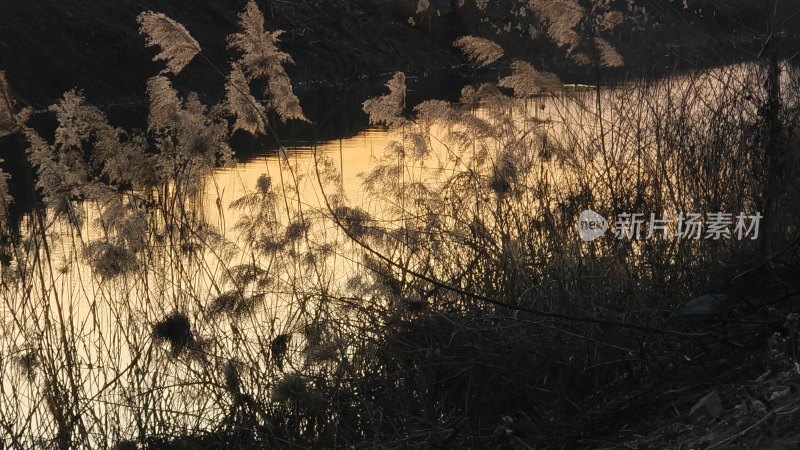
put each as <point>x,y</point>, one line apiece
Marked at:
<point>52,46</point>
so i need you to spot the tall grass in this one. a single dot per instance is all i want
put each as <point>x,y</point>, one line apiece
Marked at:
<point>462,311</point>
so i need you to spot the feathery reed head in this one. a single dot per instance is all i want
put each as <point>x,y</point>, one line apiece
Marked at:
<point>482,52</point>
<point>11,120</point>
<point>526,81</point>
<point>29,362</point>
<point>178,47</point>
<point>260,58</point>
<point>291,387</point>
<point>177,330</point>
<point>109,259</point>
<point>279,347</point>
<point>388,109</point>
<point>562,17</point>
<point>249,113</point>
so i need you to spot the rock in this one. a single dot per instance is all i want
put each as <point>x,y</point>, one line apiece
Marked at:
<point>705,307</point>
<point>708,406</point>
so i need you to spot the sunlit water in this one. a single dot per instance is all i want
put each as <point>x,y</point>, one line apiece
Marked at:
<point>111,317</point>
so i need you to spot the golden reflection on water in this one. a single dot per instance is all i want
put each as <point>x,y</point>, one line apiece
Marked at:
<point>353,156</point>
<point>102,312</point>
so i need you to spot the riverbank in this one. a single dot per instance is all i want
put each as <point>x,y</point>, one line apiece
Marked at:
<point>49,47</point>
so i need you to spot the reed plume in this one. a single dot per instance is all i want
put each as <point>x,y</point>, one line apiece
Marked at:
<point>526,81</point>
<point>11,120</point>
<point>178,47</point>
<point>388,109</point>
<point>261,58</point>
<point>562,16</point>
<point>249,113</point>
<point>482,52</point>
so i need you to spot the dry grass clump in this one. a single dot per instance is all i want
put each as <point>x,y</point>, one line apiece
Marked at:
<point>29,362</point>
<point>110,260</point>
<point>235,303</point>
<point>176,330</point>
<point>290,388</point>
<point>279,347</point>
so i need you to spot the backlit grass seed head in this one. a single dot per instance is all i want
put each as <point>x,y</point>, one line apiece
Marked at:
<point>356,220</point>
<point>11,118</point>
<point>388,109</point>
<point>503,178</point>
<point>313,332</point>
<point>29,362</point>
<point>562,17</point>
<point>234,303</point>
<point>262,59</point>
<point>309,260</point>
<point>109,259</point>
<point>433,112</point>
<point>469,97</point>
<point>77,121</point>
<point>177,331</point>
<point>526,81</point>
<point>226,302</point>
<point>270,245</point>
<point>244,274</point>
<point>134,230</point>
<point>258,46</point>
<point>420,145</point>
<point>482,52</point>
<point>164,103</point>
<point>178,47</point>
<point>264,183</point>
<point>356,283</point>
<point>232,379</point>
<point>292,387</point>
<point>609,56</point>
<point>322,351</point>
<point>610,20</point>
<point>493,99</point>
<point>296,230</point>
<point>249,113</point>
<point>278,348</point>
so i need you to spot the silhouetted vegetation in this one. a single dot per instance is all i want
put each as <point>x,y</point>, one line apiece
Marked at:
<point>457,308</point>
